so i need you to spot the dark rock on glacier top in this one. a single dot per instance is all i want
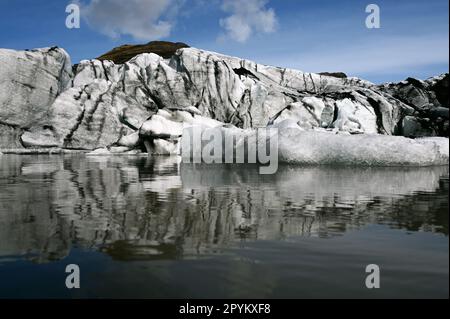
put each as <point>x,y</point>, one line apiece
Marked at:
<point>126,52</point>
<point>340,75</point>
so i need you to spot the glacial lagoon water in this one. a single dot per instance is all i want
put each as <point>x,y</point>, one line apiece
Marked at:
<point>156,228</point>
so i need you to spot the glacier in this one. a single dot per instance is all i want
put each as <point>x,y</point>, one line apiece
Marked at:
<point>143,105</point>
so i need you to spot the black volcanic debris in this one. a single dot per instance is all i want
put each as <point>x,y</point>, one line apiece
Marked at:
<point>244,72</point>
<point>440,89</point>
<point>126,52</point>
<point>339,75</point>
<point>430,101</point>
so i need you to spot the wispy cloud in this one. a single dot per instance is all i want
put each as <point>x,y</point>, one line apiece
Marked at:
<point>154,19</point>
<point>141,19</point>
<point>247,17</point>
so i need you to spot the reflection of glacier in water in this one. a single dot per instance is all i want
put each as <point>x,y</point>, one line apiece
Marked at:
<point>140,208</point>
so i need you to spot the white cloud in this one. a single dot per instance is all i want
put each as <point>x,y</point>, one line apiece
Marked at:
<point>142,19</point>
<point>247,17</point>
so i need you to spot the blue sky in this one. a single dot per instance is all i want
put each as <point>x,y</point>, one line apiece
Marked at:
<point>310,35</point>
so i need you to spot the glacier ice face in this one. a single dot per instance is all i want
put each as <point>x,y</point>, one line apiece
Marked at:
<point>161,127</point>
<point>148,100</point>
<point>226,89</point>
<point>162,133</point>
<point>30,81</point>
<point>248,94</point>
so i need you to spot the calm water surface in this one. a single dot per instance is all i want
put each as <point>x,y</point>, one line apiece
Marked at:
<point>155,228</point>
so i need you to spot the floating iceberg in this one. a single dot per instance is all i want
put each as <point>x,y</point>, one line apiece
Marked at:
<point>310,147</point>
<point>321,147</point>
